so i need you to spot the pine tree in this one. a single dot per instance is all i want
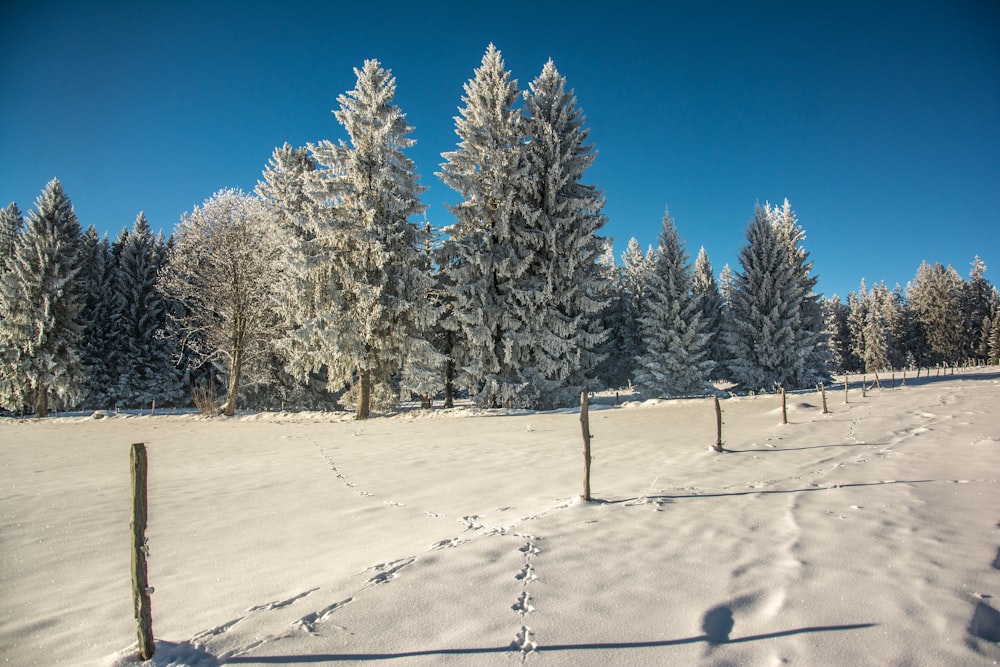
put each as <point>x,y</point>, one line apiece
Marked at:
<point>635,285</point>
<point>11,223</point>
<point>41,299</point>
<point>761,335</point>
<point>934,297</point>
<point>144,364</point>
<point>485,255</point>
<point>711,306</point>
<point>374,312</point>
<point>857,315</point>
<point>977,297</point>
<point>811,358</point>
<point>98,342</point>
<point>674,360</point>
<point>559,351</point>
<point>838,334</point>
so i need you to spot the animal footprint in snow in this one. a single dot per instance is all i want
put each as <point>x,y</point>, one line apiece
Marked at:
<point>523,605</point>
<point>529,549</point>
<point>524,641</point>
<point>446,544</point>
<point>526,573</point>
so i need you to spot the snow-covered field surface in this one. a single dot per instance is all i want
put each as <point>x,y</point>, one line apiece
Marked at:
<point>867,536</point>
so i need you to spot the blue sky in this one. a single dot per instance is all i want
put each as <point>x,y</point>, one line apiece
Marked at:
<point>879,121</point>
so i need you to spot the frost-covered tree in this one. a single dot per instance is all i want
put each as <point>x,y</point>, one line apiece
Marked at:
<point>978,296</point>
<point>98,344</point>
<point>11,223</point>
<point>674,360</point>
<point>761,335</point>
<point>559,351</point>
<point>486,255</point>
<point>373,314</point>
<point>810,364</point>
<point>634,279</point>
<point>711,306</point>
<point>935,299</point>
<point>226,259</point>
<point>144,368</point>
<point>40,302</point>
<point>857,315</point>
<point>838,334</point>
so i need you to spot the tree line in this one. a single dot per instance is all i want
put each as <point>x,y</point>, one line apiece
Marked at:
<point>325,287</point>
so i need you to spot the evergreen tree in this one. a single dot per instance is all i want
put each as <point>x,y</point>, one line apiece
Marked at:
<point>838,334</point>
<point>486,255</point>
<point>634,288</point>
<point>615,370</point>
<point>11,223</point>
<point>144,365</point>
<point>857,315</point>
<point>374,315</point>
<point>675,359</point>
<point>934,297</point>
<point>98,343</point>
<point>810,364</point>
<point>977,298</point>
<point>559,351</point>
<point>992,335</point>
<point>761,335</point>
<point>711,306</point>
<point>41,299</point>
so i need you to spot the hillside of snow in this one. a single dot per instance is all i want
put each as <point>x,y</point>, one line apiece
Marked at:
<point>866,536</point>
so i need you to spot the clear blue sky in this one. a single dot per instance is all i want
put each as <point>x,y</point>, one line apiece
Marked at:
<point>879,121</point>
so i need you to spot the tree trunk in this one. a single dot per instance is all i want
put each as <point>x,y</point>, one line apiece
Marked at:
<point>449,383</point>
<point>234,383</point>
<point>364,394</point>
<point>42,401</point>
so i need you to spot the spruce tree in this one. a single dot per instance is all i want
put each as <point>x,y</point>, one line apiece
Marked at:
<point>811,360</point>
<point>635,279</point>
<point>144,365</point>
<point>977,298</point>
<point>99,341</point>
<point>674,360</point>
<point>485,254</point>
<point>935,298</point>
<point>11,223</point>
<point>559,350</point>
<point>838,334</point>
<point>761,335</point>
<point>41,299</point>
<point>374,312</point>
<point>711,306</point>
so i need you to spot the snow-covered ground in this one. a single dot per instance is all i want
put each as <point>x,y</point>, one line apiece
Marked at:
<point>867,536</point>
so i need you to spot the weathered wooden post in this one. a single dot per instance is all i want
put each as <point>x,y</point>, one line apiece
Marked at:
<point>847,383</point>
<point>585,425</point>
<point>784,407</point>
<point>864,389</point>
<point>140,580</point>
<point>718,425</point>
<point>822,391</point>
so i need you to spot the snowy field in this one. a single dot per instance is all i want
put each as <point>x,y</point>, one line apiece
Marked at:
<point>868,536</point>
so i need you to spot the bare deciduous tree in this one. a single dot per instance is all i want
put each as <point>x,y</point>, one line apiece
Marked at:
<point>224,270</point>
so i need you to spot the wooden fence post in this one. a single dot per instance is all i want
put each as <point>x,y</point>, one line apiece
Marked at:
<point>718,425</point>
<point>822,391</point>
<point>784,407</point>
<point>847,382</point>
<point>140,580</point>
<point>585,425</point>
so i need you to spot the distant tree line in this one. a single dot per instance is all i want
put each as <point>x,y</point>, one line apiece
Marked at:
<point>326,287</point>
